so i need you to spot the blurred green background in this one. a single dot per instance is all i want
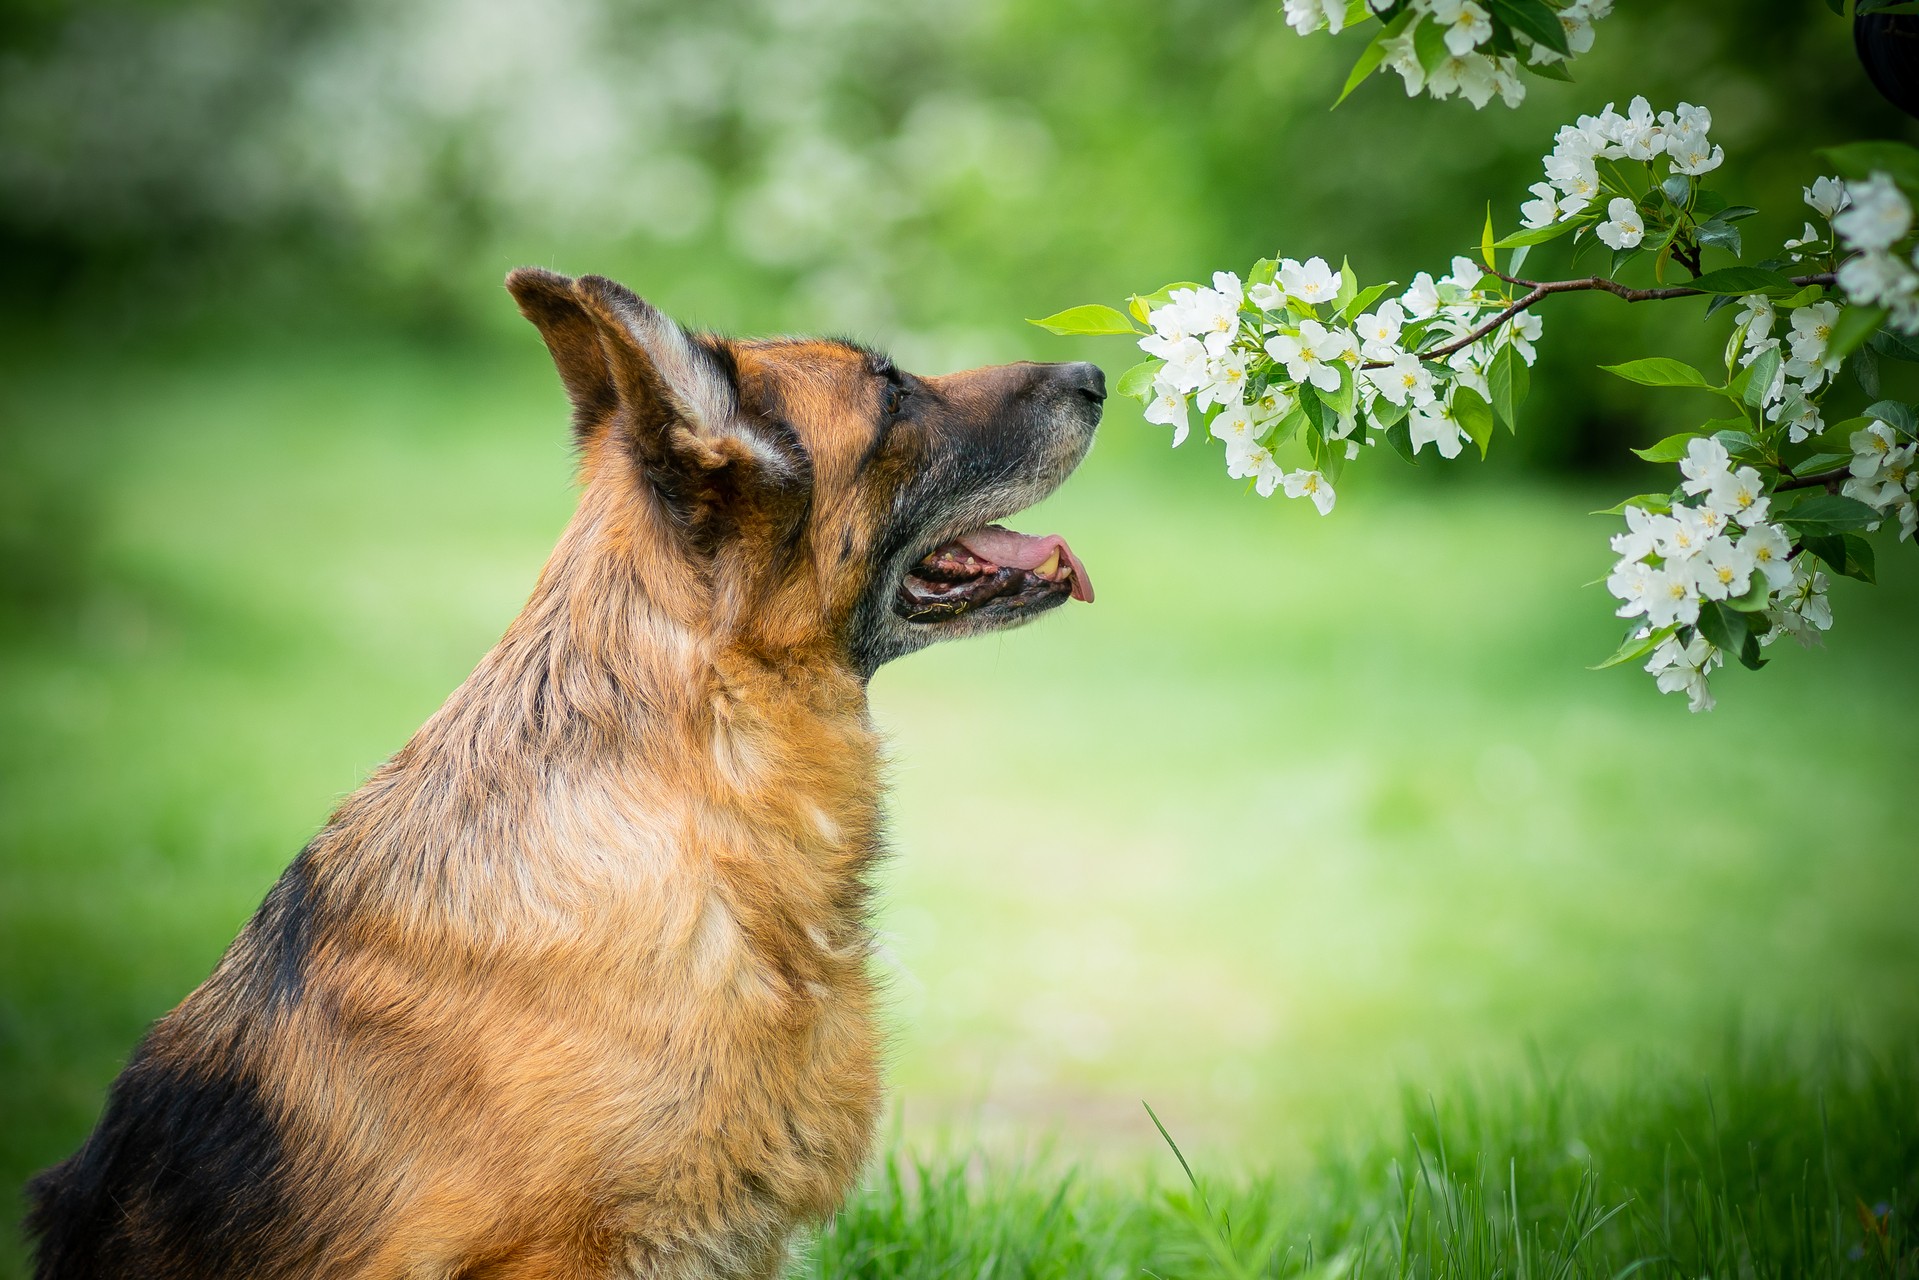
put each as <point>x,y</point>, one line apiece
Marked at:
<point>1300,809</point>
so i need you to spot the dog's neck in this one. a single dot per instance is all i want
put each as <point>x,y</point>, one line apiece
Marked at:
<point>609,746</point>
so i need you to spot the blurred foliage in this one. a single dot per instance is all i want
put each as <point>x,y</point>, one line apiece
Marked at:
<point>923,176</point>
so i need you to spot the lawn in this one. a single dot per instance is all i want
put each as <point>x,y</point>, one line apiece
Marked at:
<point>1299,812</point>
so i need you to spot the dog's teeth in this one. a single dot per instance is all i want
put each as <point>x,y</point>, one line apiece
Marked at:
<point>1051,566</point>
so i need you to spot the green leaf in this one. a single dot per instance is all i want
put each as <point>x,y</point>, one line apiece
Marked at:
<point>1537,235</point>
<point>1759,377</point>
<point>1475,417</point>
<point>1429,46</point>
<point>1656,503</point>
<point>1369,59</point>
<point>1385,413</point>
<point>1741,445</point>
<point>1862,159</point>
<point>1486,240</point>
<point>1537,22</point>
<point>1348,286</point>
<point>1508,380</point>
<point>1400,437</point>
<point>1548,71</point>
<point>1756,597</point>
<point>1864,368</point>
<point>1847,554</point>
<point>1671,449</point>
<point>1811,293</point>
<point>1287,427</point>
<point>1363,299</point>
<point>1859,560</point>
<point>1723,626</point>
<point>1092,318</point>
<point>1819,463</point>
<point>1637,647</point>
<point>1658,371</point>
<point>1743,280</point>
<point>1829,547</point>
<point>1854,325</point>
<point>1895,345</point>
<point>1828,513</point>
<point>1341,401</point>
<point>1137,381</point>
<point>1162,295</point>
<point>1900,417</point>
<point>1715,234</point>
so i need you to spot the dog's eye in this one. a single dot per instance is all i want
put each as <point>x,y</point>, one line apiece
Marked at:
<point>894,401</point>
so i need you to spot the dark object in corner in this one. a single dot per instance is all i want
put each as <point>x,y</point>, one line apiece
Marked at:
<point>1888,45</point>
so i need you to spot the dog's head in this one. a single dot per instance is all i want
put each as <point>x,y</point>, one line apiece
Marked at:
<point>806,491</point>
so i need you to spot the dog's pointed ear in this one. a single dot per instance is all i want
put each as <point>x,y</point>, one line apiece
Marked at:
<point>572,337</point>
<point>659,372</point>
<point>690,432</point>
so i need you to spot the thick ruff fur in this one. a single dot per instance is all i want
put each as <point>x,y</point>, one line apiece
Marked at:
<point>576,985</point>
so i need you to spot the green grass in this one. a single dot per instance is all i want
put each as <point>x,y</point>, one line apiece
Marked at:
<point>1300,810</point>
<point>1773,1165</point>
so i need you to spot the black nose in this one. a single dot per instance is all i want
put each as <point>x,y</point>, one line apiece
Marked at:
<point>1087,379</point>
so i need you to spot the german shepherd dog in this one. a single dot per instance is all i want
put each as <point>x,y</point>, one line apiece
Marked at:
<point>577,984</point>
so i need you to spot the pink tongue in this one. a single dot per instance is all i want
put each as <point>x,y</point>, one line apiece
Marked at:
<point>1019,551</point>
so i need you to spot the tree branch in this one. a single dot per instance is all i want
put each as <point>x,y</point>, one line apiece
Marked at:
<point>1537,290</point>
<point>1830,479</point>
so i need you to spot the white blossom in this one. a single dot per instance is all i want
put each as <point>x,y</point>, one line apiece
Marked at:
<point>1683,668</point>
<point>1671,595</point>
<point>1168,409</point>
<point>1434,424</point>
<point>1379,330</point>
<point>1827,196</point>
<point>1705,461</point>
<point>1226,381</point>
<point>1421,299</point>
<point>1313,281</point>
<point>1771,551</point>
<point>1404,381</point>
<point>1469,75</point>
<point>1871,446</point>
<point>1467,25</point>
<point>1723,570</point>
<point>1307,355</point>
<point>1311,484</point>
<point>1255,462</point>
<point>1234,425</point>
<point>1542,210</point>
<point>1739,495</point>
<point>1810,339</point>
<point>1880,215</point>
<point>1623,228</point>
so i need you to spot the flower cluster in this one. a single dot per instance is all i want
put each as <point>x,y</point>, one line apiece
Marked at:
<point>1461,47</point>
<point>1301,352</point>
<point>1883,475</point>
<point>1671,142</point>
<point>1773,503</point>
<point>1717,549</point>
<point>1873,218</point>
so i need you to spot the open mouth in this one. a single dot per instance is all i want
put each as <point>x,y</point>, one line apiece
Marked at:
<point>993,565</point>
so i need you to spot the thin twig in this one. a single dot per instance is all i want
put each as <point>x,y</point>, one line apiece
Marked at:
<point>1536,290</point>
<point>1827,478</point>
